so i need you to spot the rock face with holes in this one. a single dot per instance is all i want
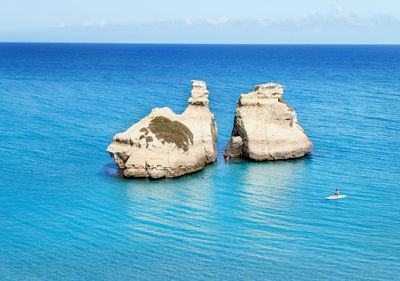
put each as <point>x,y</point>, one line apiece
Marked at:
<point>266,128</point>
<point>165,144</point>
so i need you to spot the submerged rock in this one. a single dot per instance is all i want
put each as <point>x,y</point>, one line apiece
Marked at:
<point>165,144</point>
<point>266,128</point>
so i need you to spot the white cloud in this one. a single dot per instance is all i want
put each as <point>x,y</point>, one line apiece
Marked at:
<point>102,23</point>
<point>218,21</point>
<point>99,24</point>
<point>333,26</point>
<point>188,22</point>
<point>338,11</point>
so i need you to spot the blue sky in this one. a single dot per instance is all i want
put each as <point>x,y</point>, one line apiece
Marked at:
<point>173,21</point>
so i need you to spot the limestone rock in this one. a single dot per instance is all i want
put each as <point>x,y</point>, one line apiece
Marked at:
<point>165,144</point>
<point>266,128</point>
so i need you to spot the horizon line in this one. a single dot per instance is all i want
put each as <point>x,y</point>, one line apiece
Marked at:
<point>180,43</point>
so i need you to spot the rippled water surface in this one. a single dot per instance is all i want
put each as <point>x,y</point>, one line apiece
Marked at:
<point>66,215</point>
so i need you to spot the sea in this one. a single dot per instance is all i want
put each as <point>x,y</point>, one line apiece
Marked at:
<point>67,214</point>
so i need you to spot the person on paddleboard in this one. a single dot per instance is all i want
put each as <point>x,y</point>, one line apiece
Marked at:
<point>337,193</point>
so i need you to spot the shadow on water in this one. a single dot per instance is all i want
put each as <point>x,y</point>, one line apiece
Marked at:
<point>270,182</point>
<point>132,192</point>
<point>110,170</point>
<point>237,173</point>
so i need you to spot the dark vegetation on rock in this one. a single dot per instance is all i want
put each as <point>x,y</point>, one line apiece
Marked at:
<point>169,131</point>
<point>144,130</point>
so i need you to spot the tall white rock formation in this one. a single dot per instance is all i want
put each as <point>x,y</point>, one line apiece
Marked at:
<point>266,128</point>
<point>165,144</point>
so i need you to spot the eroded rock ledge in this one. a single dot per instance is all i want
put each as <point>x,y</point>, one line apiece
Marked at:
<point>266,128</point>
<point>165,144</point>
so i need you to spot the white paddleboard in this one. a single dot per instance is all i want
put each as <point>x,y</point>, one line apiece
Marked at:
<point>336,197</point>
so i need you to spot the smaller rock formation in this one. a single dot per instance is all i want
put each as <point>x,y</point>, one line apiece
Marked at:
<point>164,144</point>
<point>266,128</point>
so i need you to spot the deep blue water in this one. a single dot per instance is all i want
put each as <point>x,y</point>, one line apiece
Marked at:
<point>65,215</point>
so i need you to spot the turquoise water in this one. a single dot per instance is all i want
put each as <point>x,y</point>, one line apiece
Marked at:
<point>66,215</point>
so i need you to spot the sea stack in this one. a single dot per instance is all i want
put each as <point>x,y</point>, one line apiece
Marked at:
<point>165,144</point>
<point>266,128</point>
